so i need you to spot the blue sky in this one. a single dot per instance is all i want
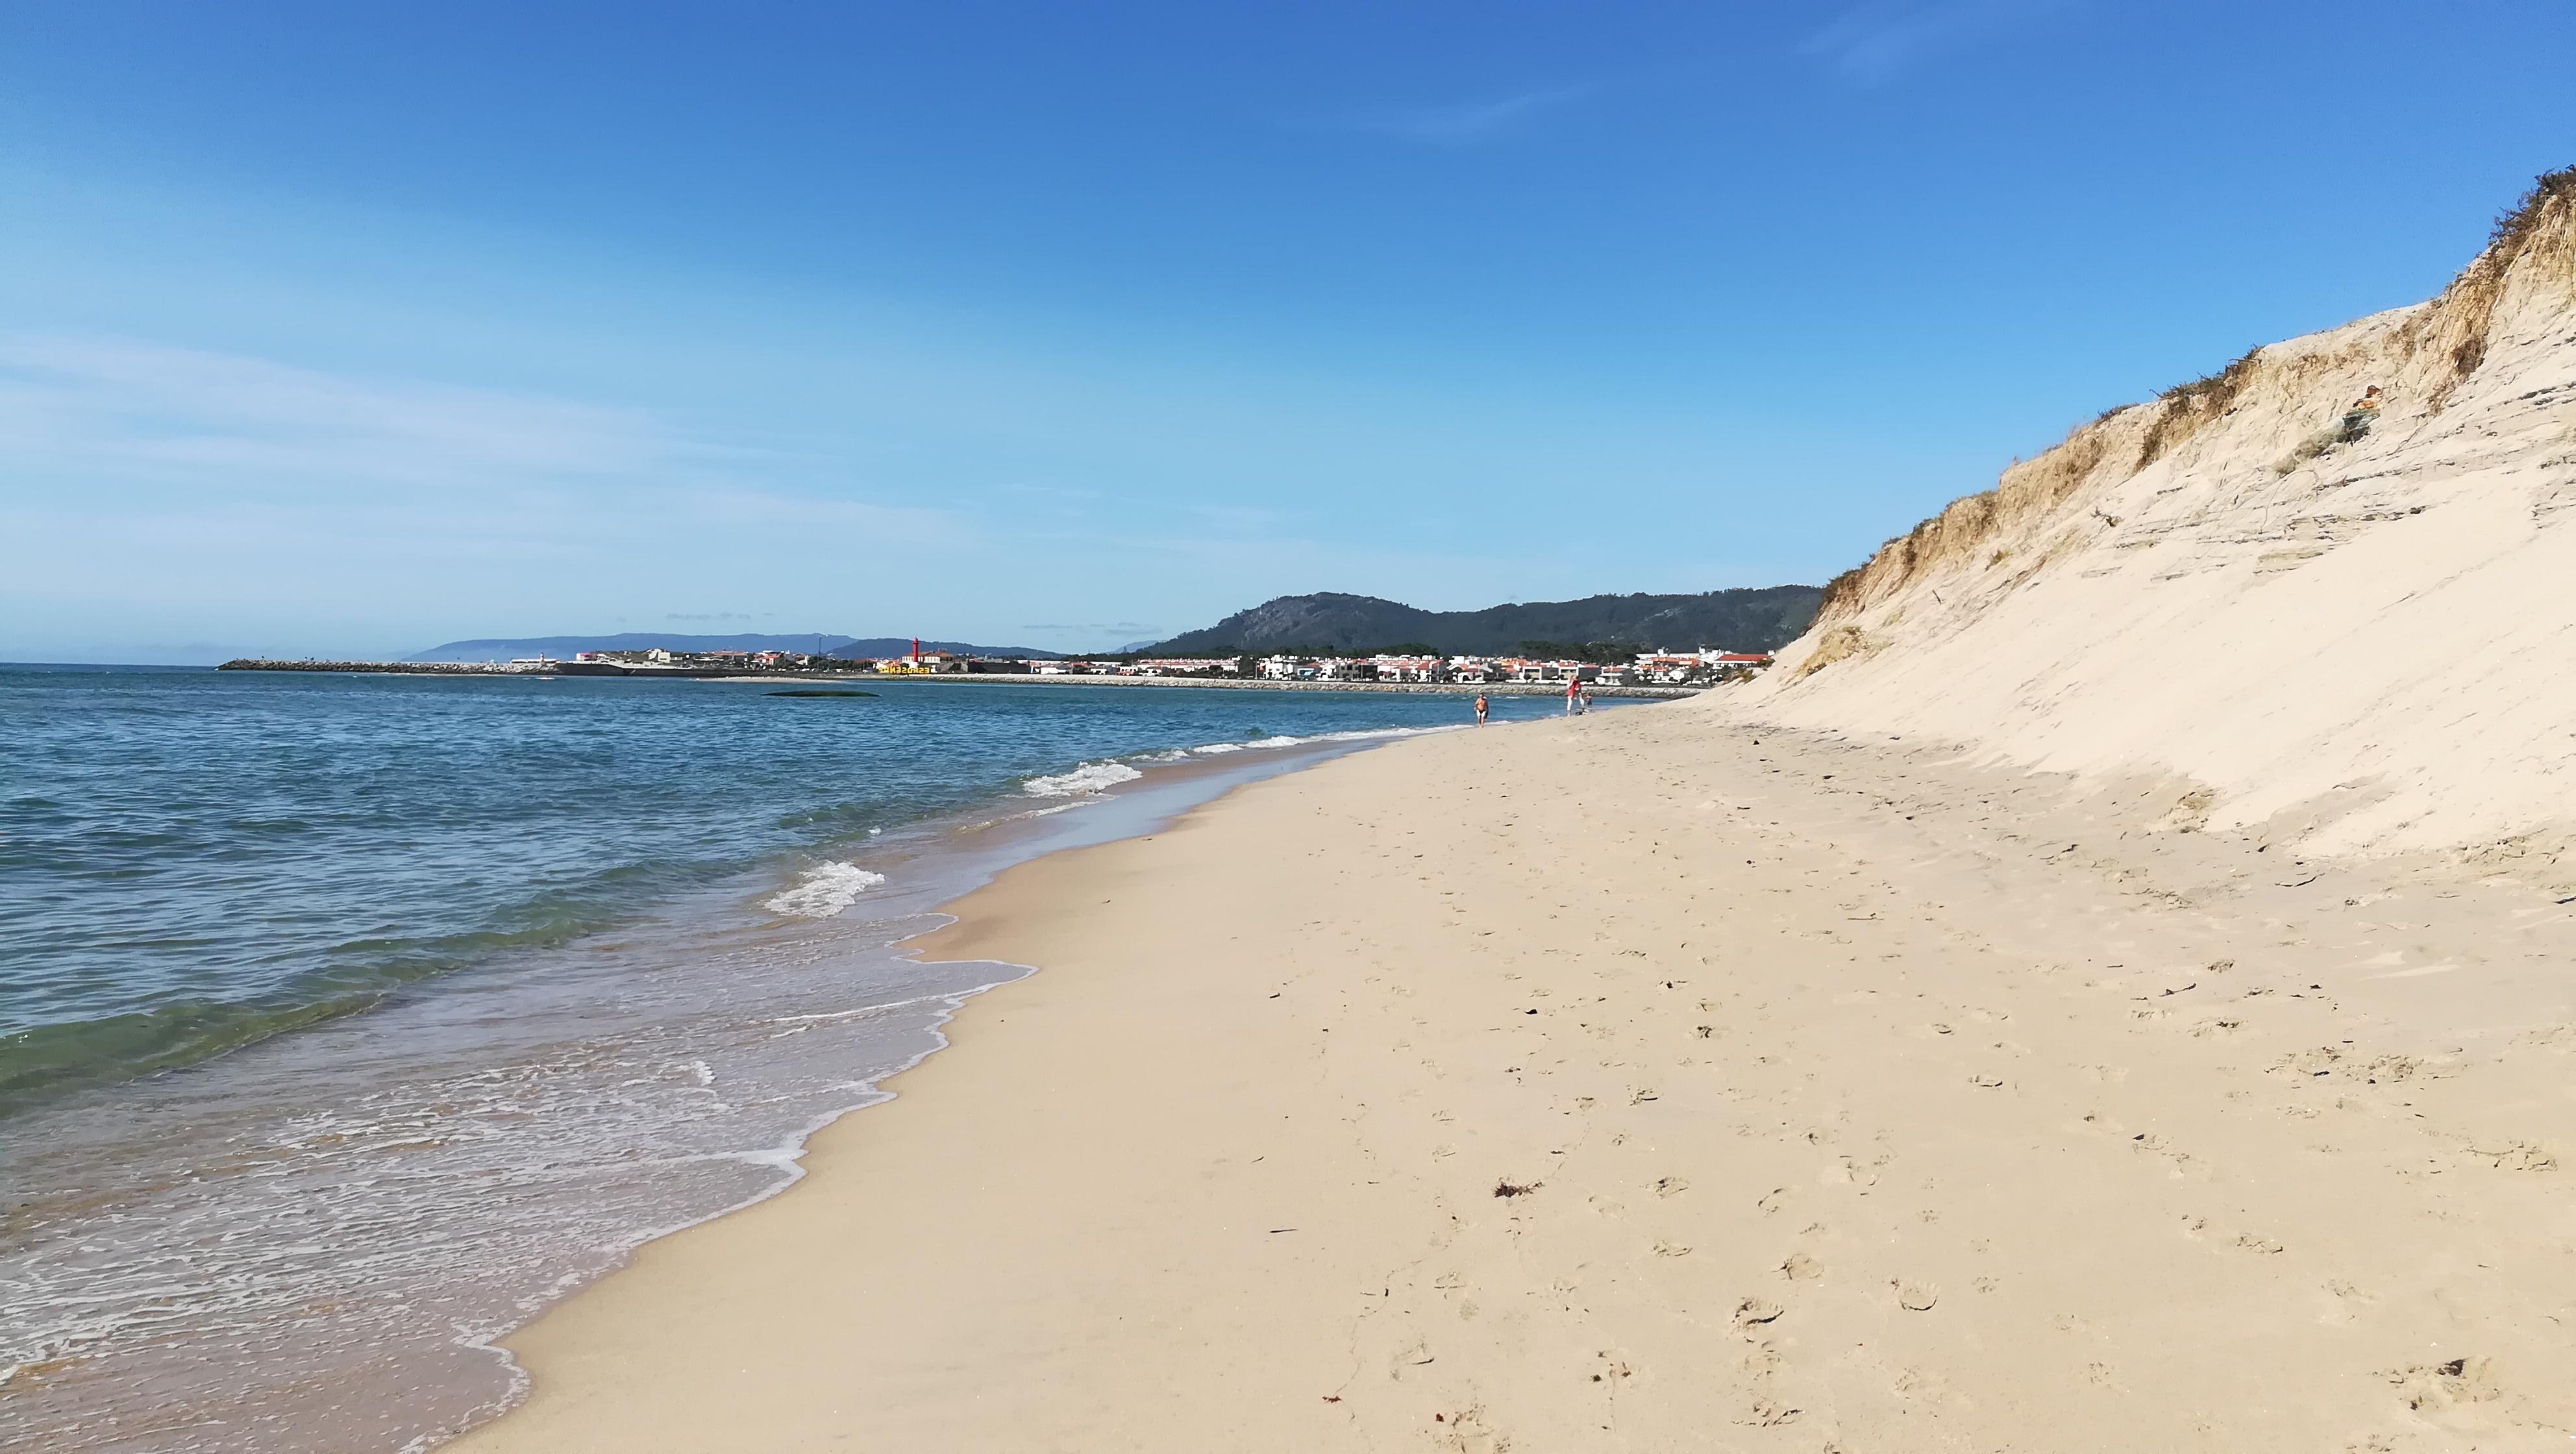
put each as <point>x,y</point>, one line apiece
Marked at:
<point>332,328</point>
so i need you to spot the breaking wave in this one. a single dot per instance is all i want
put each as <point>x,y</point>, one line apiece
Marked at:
<point>827,889</point>
<point>1091,777</point>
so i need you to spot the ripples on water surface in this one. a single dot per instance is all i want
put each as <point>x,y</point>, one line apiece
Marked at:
<point>576,913</point>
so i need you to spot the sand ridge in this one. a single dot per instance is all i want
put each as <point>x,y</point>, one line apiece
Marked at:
<point>1617,1084</point>
<point>2195,585</point>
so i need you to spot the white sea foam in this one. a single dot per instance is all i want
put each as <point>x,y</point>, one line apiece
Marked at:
<point>1091,777</point>
<point>827,889</point>
<point>1373,734</point>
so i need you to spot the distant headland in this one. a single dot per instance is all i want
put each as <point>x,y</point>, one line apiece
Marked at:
<point>805,643</point>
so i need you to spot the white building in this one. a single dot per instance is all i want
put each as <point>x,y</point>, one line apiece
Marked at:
<point>1409,668</point>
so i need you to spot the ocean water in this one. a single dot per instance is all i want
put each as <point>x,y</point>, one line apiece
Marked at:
<point>345,1021</point>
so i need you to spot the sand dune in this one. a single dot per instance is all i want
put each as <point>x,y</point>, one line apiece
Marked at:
<point>2368,637</point>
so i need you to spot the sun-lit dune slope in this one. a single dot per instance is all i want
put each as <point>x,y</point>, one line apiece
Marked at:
<point>2380,633</point>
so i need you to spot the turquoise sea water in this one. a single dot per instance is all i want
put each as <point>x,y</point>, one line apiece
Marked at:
<point>190,860</point>
<point>346,1021</point>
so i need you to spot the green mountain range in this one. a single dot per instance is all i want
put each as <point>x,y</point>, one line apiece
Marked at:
<point>1751,619</point>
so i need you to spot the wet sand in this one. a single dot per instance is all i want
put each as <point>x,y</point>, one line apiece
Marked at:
<point>1654,1081</point>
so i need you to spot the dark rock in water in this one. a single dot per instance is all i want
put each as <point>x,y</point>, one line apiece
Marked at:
<point>818,694</point>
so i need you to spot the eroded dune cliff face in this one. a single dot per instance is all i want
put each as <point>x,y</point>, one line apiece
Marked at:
<point>2372,637</point>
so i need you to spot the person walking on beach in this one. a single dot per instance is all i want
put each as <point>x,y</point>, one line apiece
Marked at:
<point>1480,709</point>
<point>1573,695</point>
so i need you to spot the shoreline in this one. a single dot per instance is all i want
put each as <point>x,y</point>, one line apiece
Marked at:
<point>562,1340</point>
<point>782,977</point>
<point>1762,1114</point>
<point>950,945</point>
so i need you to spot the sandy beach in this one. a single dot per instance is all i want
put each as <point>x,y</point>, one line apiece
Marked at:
<point>2104,989</point>
<point>612,839</point>
<point>1659,1081</point>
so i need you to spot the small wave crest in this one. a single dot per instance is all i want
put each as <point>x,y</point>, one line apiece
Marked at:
<point>825,890</point>
<point>1091,777</point>
<point>1373,734</point>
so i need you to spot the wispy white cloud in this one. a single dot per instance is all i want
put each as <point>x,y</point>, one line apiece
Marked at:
<point>92,407</point>
<point>86,421</point>
<point>1874,41</point>
<point>178,490</point>
<point>1461,124</point>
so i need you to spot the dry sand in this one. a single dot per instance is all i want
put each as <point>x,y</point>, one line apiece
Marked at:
<point>1850,1096</point>
<point>2374,635</point>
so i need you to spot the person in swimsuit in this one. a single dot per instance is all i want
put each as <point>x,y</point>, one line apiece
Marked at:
<point>1480,709</point>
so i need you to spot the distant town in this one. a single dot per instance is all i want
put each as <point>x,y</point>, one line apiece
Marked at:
<point>1704,667</point>
<point>1651,672</point>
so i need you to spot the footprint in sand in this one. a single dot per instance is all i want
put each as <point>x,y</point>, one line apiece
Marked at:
<point>1416,1354</point>
<point>2349,1302</point>
<point>2183,1162</point>
<point>1799,1267</point>
<point>1670,1186</point>
<point>1769,1413</point>
<point>1850,1172</point>
<point>2391,1069</point>
<point>2513,1155</point>
<point>1917,1297</point>
<point>1756,1312</point>
<point>2434,1386</point>
<point>2308,1064</point>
